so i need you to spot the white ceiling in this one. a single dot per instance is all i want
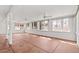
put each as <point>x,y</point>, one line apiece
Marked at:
<point>30,12</point>
<point>3,11</point>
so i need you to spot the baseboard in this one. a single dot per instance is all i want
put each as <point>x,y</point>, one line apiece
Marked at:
<point>53,37</point>
<point>43,36</point>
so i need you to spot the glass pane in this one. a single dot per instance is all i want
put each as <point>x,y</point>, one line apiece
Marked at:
<point>56,25</point>
<point>17,27</point>
<point>27,26</point>
<point>44,25</point>
<point>66,25</point>
<point>35,25</point>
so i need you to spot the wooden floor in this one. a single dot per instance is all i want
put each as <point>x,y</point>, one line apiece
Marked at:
<point>29,43</point>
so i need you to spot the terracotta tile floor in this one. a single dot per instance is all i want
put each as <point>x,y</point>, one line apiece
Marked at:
<point>28,43</point>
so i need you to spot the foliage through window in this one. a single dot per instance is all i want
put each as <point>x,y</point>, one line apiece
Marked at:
<point>44,25</point>
<point>28,26</point>
<point>19,26</point>
<point>34,25</point>
<point>66,25</point>
<point>61,25</point>
<point>56,25</point>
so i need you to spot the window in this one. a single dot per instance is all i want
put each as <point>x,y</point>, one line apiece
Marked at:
<point>19,26</point>
<point>66,25</point>
<point>44,25</point>
<point>56,25</point>
<point>61,25</point>
<point>28,26</point>
<point>34,25</point>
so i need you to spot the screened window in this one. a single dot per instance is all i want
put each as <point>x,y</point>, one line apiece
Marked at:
<point>34,25</point>
<point>61,25</point>
<point>28,26</point>
<point>66,25</point>
<point>56,25</point>
<point>44,25</point>
<point>19,26</point>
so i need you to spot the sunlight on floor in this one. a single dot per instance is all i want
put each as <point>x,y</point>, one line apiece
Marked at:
<point>67,42</point>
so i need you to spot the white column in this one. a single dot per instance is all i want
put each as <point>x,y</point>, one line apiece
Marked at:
<point>38,25</point>
<point>24,27</point>
<point>9,29</point>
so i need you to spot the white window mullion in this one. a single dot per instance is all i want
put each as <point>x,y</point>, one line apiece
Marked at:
<point>62,25</point>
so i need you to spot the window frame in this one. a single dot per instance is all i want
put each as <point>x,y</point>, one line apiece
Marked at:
<point>62,20</point>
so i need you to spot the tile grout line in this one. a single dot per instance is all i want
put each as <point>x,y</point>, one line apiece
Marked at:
<point>37,47</point>
<point>10,46</point>
<point>56,47</point>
